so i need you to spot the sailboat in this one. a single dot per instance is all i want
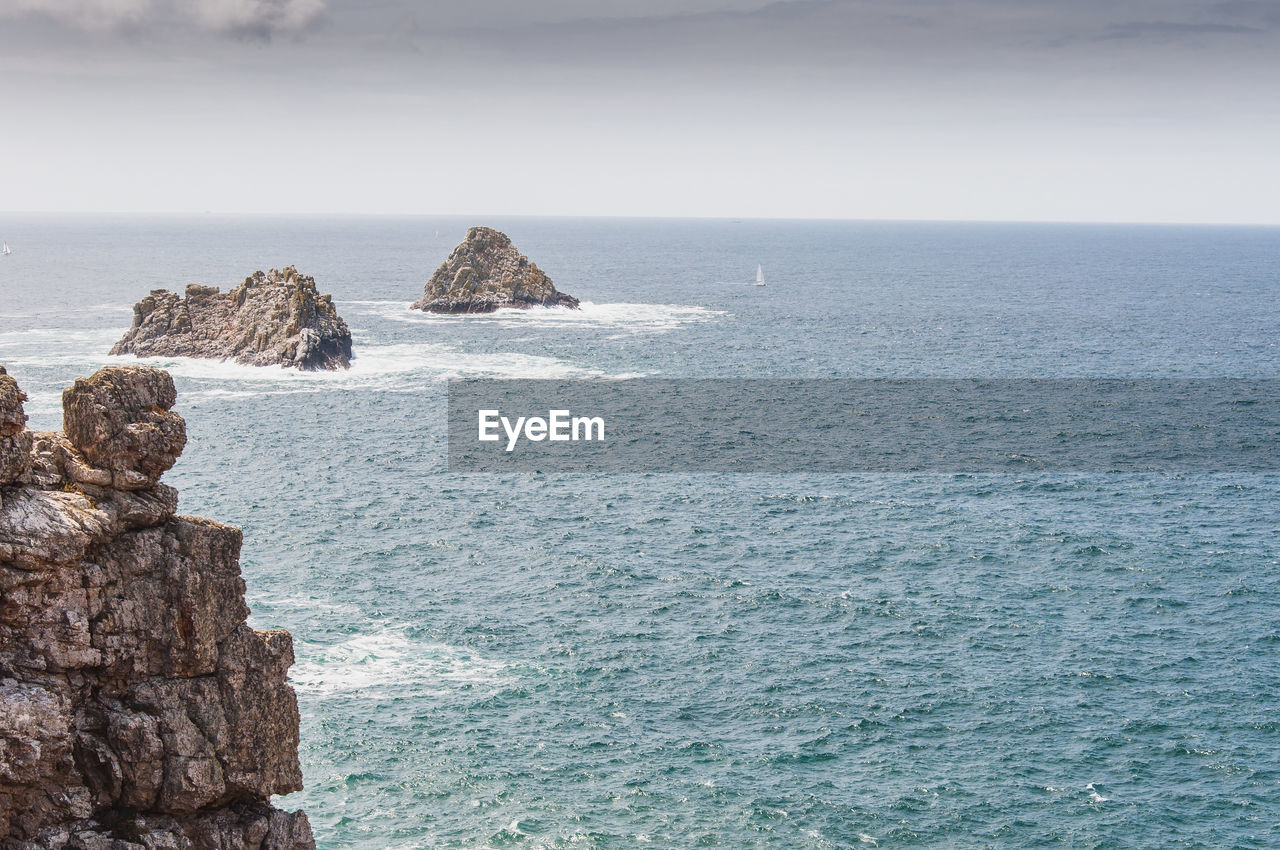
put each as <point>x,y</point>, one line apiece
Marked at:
<point>759,275</point>
<point>5,250</point>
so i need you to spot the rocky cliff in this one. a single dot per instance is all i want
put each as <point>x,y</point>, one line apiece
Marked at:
<point>486,272</point>
<point>276,318</point>
<point>137,709</point>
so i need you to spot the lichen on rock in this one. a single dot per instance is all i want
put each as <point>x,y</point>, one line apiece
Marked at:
<point>273,318</point>
<point>486,272</point>
<point>138,710</point>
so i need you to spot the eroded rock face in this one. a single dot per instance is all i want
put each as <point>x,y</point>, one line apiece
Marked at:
<point>15,440</point>
<point>137,708</point>
<point>273,318</point>
<point>486,272</point>
<point>119,420</point>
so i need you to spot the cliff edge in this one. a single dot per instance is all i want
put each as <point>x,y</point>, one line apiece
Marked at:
<point>486,272</point>
<point>138,711</point>
<point>276,318</point>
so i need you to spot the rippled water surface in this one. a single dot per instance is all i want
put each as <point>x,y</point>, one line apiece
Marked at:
<point>1077,660</point>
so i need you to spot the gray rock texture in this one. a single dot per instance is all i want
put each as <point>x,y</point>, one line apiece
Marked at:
<point>277,318</point>
<point>15,440</point>
<point>486,272</point>
<point>138,711</point>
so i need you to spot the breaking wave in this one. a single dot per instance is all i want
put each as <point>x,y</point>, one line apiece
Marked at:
<point>373,665</point>
<point>635,318</point>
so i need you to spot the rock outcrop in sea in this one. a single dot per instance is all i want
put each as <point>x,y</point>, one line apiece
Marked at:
<point>486,272</point>
<point>273,318</point>
<point>138,711</point>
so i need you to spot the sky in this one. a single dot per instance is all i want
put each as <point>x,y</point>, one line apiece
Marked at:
<point>1042,110</point>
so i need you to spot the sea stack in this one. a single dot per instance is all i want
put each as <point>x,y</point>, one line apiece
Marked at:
<point>276,318</point>
<point>486,272</point>
<point>137,709</point>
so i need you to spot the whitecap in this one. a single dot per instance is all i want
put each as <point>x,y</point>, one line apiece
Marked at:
<point>633,317</point>
<point>374,367</point>
<point>371,665</point>
<point>43,347</point>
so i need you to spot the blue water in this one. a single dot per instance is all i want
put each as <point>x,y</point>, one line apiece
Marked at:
<point>927,660</point>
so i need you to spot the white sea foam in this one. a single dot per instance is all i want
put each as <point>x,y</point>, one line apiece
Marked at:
<point>56,346</point>
<point>631,317</point>
<point>88,349</point>
<point>372,665</point>
<point>404,366</point>
<point>401,367</point>
<point>310,605</point>
<point>374,367</point>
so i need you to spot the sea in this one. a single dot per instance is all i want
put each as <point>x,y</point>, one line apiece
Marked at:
<point>1023,658</point>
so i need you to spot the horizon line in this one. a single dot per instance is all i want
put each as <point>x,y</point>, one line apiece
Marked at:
<point>633,217</point>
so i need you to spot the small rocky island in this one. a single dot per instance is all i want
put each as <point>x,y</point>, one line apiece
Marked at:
<point>273,318</point>
<point>138,711</point>
<point>486,272</point>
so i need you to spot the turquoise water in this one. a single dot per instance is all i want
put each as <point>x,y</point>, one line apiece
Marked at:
<point>892,660</point>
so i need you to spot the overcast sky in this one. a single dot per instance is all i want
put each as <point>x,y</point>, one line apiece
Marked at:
<point>1128,110</point>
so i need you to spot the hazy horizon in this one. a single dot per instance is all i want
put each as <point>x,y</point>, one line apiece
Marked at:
<point>483,218</point>
<point>1138,111</point>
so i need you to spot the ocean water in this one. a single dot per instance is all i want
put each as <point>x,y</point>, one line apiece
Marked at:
<point>782,661</point>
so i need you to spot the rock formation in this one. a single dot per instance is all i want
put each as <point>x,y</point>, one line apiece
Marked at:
<point>138,711</point>
<point>276,318</point>
<point>486,272</point>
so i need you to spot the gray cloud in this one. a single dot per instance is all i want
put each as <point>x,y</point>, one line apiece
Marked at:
<point>999,48</point>
<point>786,33</point>
<point>258,18</point>
<point>255,18</point>
<point>1172,30</point>
<point>1138,109</point>
<point>1262,11</point>
<point>904,39</point>
<point>84,14</point>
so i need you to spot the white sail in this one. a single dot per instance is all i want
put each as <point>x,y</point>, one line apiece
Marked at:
<point>759,275</point>
<point>5,249</point>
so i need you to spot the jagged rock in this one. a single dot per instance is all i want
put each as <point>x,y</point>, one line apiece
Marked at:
<point>273,318</point>
<point>119,419</point>
<point>238,825</point>
<point>137,708</point>
<point>486,272</point>
<point>15,440</point>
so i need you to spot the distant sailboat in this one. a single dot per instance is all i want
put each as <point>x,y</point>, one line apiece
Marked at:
<point>759,275</point>
<point>5,250</point>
